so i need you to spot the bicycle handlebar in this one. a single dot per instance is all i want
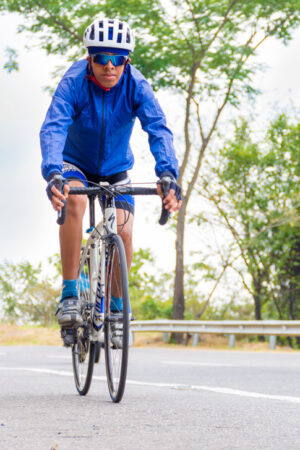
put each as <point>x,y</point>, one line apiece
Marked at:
<point>114,190</point>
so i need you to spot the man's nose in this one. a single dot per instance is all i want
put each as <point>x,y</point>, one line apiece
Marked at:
<point>109,65</point>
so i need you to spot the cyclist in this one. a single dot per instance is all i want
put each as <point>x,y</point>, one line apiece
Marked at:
<point>85,136</point>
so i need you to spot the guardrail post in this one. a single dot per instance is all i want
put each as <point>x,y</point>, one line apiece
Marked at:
<point>131,338</point>
<point>195,340</point>
<point>231,340</point>
<point>272,342</point>
<point>165,337</point>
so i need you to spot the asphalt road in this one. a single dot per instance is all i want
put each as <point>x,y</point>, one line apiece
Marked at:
<point>174,399</point>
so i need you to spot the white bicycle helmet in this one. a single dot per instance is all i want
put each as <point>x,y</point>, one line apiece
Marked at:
<point>106,34</point>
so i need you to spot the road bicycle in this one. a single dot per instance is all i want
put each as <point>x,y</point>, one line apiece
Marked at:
<point>103,288</point>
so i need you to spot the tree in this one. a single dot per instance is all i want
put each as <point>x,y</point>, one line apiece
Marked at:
<point>150,295</point>
<point>200,49</point>
<point>256,193</point>
<point>26,295</point>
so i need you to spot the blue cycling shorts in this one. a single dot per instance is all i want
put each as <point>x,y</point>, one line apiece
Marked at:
<point>72,172</point>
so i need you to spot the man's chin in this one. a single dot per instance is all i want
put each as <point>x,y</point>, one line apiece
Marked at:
<point>108,83</point>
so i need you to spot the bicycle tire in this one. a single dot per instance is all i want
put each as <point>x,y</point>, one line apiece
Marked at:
<point>116,346</point>
<point>98,346</point>
<point>83,350</point>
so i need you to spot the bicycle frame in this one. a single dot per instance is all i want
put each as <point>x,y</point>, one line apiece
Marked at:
<point>101,232</point>
<point>106,227</point>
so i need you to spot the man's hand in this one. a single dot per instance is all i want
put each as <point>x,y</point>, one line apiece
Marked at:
<point>55,196</point>
<point>58,198</point>
<point>172,202</point>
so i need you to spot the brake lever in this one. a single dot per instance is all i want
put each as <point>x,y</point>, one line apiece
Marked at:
<point>165,183</point>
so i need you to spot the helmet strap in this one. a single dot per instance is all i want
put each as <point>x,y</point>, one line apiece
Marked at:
<point>128,61</point>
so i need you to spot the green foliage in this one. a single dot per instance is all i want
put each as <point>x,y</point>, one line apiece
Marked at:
<point>174,40</point>
<point>27,297</point>
<point>234,310</point>
<point>256,192</point>
<point>11,65</point>
<point>150,295</point>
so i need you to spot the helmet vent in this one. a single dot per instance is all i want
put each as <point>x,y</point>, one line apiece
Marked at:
<point>92,35</point>
<point>128,37</point>
<point>101,24</point>
<point>101,36</point>
<point>120,26</point>
<point>119,39</point>
<point>110,33</point>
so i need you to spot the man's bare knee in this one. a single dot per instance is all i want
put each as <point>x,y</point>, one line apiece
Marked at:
<point>125,228</point>
<point>126,235</point>
<point>76,204</point>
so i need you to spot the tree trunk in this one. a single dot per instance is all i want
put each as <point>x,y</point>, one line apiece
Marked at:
<point>178,303</point>
<point>257,307</point>
<point>257,303</point>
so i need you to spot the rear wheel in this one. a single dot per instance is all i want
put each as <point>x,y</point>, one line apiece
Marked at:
<point>116,323</point>
<point>83,351</point>
<point>98,346</point>
<point>83,356</point>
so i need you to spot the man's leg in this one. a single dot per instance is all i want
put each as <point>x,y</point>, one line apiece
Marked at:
<point>70,234</point>
<point>125,231</point>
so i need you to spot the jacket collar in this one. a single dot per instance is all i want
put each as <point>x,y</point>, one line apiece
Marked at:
<point>93,79</point>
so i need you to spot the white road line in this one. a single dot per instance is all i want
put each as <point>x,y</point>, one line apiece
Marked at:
<point>217,390</point>
<point>196,363</point>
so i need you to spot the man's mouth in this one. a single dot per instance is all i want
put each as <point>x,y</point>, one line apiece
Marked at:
<point>108,75</point>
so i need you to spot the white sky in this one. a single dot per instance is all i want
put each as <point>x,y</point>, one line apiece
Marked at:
<point>28,229</point>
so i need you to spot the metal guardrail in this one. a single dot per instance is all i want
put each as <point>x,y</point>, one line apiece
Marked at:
<point>232,328</point>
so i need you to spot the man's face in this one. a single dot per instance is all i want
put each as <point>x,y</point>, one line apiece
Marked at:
<point>109,75</point>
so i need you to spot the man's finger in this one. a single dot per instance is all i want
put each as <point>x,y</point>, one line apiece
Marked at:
<point>170,196</point>
<point>66,190</point>
<point>57,193</point>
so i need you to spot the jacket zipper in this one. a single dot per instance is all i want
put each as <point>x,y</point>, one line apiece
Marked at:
<point>101,135</point>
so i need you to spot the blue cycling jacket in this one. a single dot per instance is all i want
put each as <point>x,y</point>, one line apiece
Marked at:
<point>91,127</point>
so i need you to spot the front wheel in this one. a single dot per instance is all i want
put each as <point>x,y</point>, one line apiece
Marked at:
<point>116,321</point>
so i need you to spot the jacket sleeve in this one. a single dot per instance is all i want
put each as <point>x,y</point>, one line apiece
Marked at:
<point>160,137</point>
<point>54,130</point>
